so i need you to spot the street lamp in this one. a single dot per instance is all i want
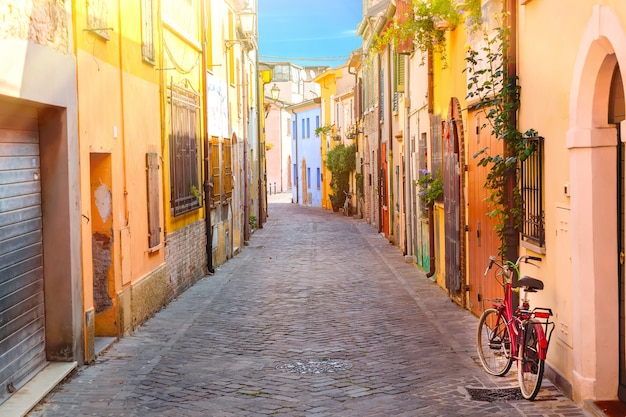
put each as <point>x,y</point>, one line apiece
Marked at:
<point>246,19</point>
<point>275,92</point>
<point>247,24</point>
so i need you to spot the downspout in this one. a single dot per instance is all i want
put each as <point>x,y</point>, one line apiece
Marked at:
<point>379,161</point>
<point>408,219</point>
<point>512,238</point>
<point>431,214</point>
<point>207,159</point>
<point>260,128</point>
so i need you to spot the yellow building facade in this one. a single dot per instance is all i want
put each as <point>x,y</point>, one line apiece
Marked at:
<point>124,275</point>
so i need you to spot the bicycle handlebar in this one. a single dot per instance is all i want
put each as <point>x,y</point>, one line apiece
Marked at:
<point>524,258</point>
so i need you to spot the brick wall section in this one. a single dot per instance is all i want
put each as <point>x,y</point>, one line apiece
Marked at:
<point>185,257</point>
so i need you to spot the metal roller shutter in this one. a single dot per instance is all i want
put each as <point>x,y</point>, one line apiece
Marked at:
<point>22,333</point>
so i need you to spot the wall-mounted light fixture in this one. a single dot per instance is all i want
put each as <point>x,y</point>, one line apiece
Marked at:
<point>275,92</point>
<point>247,19</point>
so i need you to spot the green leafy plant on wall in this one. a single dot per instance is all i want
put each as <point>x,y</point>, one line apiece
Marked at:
<point>497,92</point>
<point>324,130</point>
<point>426,22</point>
<point>430,187</point>
<point>252,222</point>
<point>195,192</point>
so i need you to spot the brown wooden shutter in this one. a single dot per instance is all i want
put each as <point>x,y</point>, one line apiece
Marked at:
<point>154,230</point>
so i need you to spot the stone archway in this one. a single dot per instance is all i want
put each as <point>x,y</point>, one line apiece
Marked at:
<point>593,179</point>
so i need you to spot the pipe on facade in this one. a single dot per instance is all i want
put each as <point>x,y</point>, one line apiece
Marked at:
<point>406,201</point>
<point>392,198</point>
<point>208,191</point>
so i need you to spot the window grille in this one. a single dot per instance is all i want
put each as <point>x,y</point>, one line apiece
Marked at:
<point>531,187</point>
<point>184,158</point>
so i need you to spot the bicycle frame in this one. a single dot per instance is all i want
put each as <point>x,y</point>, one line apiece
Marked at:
<point>516,320</point>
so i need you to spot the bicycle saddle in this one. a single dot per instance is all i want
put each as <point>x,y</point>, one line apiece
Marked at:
<point>529,284</point>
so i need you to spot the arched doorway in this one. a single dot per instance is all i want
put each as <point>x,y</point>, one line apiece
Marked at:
<point>597,201</point>
<point>616,116</point>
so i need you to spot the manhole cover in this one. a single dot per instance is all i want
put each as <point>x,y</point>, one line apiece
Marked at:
<point>315,366</point>
<point>498,394</point>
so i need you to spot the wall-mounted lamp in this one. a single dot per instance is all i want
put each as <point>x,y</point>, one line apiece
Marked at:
<point>247,19</point>
<point>275,92</point>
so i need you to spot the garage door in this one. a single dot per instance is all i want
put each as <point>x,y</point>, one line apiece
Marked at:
<point>22,342</point>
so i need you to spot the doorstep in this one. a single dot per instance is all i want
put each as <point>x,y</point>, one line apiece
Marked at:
<point>27,397</point>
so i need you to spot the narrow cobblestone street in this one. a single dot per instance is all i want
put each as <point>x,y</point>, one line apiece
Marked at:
<point>318,316</point>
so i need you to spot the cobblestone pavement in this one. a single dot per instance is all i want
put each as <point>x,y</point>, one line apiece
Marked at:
<point>318,316</point>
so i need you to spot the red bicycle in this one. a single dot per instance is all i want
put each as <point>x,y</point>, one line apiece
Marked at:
<point>523,335</point>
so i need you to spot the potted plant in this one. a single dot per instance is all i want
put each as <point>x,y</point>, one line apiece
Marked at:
<point>430,187</point>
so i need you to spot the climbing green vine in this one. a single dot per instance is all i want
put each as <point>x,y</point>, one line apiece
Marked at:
<point>497,93</point>
<point>426,22</point>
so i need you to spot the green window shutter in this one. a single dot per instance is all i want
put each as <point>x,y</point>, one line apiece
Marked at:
<point>399,72</point>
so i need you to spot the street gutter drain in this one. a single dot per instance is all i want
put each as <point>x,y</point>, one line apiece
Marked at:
<point>314,366</point>
<point>492,395</point>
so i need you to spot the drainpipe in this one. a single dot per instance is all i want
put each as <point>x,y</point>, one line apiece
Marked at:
<point>512,237</point>
<point>408,150</point>
<point>260,101</point>
<point>207,164</point>
<point>388,120</point>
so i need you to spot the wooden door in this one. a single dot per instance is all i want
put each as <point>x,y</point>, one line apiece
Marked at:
<point>482,241</point>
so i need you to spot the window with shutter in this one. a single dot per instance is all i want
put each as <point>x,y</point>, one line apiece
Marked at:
<point>184,157</point>
<point>154,230</point>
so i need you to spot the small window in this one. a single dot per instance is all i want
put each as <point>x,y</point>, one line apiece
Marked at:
<point>319,179</point>
<point>147,31</point>
<point>308,127</point>
<point>531,187</point>
<point>183,144</point>
<point>281,73</point>
<point>308,178</point>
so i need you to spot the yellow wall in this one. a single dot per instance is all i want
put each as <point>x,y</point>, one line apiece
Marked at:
<point>181,62</point>
<point>119,116</point>
<point>327,81</point>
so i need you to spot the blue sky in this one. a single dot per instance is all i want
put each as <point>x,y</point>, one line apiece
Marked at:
<point>318,29</point>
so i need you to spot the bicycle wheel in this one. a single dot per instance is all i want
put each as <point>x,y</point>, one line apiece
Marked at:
<point>494,343</point>
<point>529,366</point>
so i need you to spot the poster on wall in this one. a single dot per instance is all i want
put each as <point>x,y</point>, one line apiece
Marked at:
<point>217,107</point>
